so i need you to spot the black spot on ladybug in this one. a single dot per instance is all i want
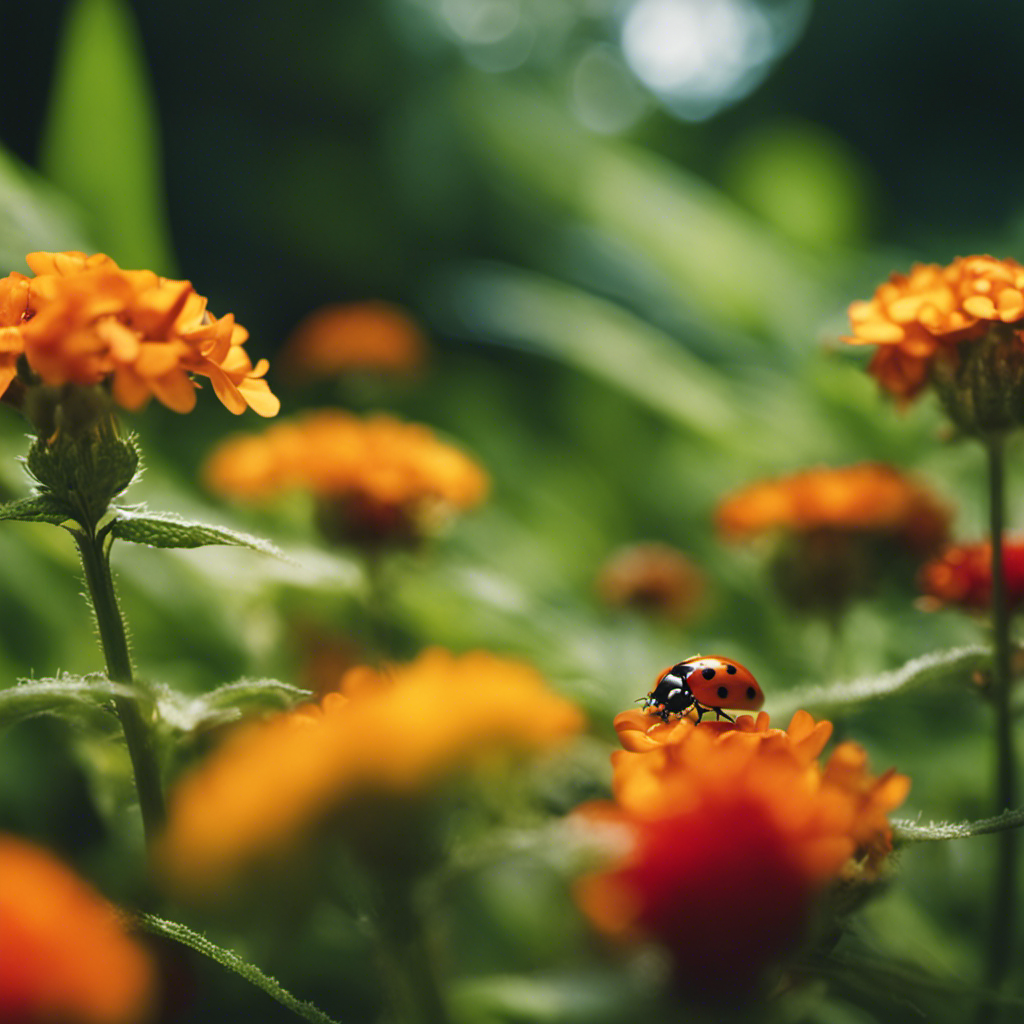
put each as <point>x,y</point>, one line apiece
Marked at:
<point>731,669</point>
<point>723,692</point>
<point>708,673</point>
<point>751,693</point>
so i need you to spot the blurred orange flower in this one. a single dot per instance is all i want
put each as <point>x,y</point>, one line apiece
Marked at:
<point>869,497</point>
<point>357,336</point>
<point>376,479</point>
<point>399,730</point>
<point>64,955</point>
<point>922,316</point>
<point>654,578</point>
<point>731,832</point>
<point>84,320</point>
<point>961,575</point>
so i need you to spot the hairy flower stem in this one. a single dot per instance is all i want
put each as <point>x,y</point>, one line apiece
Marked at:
<point>1004,895</point>
<point>94,552</point>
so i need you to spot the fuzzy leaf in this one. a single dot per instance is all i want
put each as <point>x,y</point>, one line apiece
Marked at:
<point>226,703</point>
<point>68,697</point>
<point>914,832</point>
<point>40,508</point>
<point>955,664</point>
<point>164,530</point>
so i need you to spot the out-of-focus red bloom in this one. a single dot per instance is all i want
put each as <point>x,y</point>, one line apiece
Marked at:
<point>377,480</point>
<point>731,834</point>
<point>867,498</point>
<point>334,339</point>
<point>962,576</point>
<point>64,956</point>
<point>653,578</point>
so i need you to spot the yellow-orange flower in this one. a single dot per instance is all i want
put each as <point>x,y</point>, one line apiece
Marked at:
<point>376,478</point>
<point>869,498</point>
<point>919,317</point>
<point>961,575</point>
<point>732,831</point>
<point>64,955</point>
<point>399,730</point>
<point>84,320</point>
<point>357,336</point>
<point>650,577</point>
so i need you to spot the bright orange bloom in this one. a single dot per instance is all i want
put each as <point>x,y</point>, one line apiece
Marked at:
<point>731,833</point>
<point>375,478</point>
<point>962,575</point>
<point>652,577</point>
<point>358,336</point>
<point>919,317</point>
<point>869,498</point>
<point>84,320</point>
<point>64,956</point>
<point>400,730</point>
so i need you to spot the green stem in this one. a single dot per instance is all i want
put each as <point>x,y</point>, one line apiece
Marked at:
<point>406,961</point>
<point>1004,894</point>
<point>114,643</point>
<point>233,962</point>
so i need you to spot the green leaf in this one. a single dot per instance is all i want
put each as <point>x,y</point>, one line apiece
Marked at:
<point>101,142</point>
<point>233,962</point>
<point>41,508</point>
<point>166,530</point>
<point>601,339</point>
<point>914,832</point>
<point>227,703</point>
<point>33,216</point>
<point>957,664</point>
<point>720,258</point>
<point>68,696</point>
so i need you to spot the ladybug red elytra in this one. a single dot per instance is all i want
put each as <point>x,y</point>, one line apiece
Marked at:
<point>703,684</point>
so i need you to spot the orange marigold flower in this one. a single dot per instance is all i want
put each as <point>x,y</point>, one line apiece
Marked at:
<point>84,320</point>
<point>732,832</point>
<point>64,956</point>
<point>865,498</point>
<point>399,730</point>
<point>654,578</point>
<point>920,318</point>
<point>962,575</point>
<point>356,336</point>
<point>375,479</point>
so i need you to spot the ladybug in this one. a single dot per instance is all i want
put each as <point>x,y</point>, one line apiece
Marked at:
<point>705,685</point>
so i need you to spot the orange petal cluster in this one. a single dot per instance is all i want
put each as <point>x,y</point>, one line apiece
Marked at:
<point>917,317</point>
<point>386,476</point>
<point>730,833</point>
<point>866,498</point>
<point>356,336</point>
<point>961,575</point>
<point>64,955</point>
<point>397,730</point>
<point>654,578</point>
<point>84,320</point>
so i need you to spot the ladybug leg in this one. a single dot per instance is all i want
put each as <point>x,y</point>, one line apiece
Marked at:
<point>720,714</point>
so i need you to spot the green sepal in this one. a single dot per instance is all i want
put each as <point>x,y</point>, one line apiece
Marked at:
<point>77,698</point>
<point>40,508</point>
<point>166,530</point>
<point>87,466</point>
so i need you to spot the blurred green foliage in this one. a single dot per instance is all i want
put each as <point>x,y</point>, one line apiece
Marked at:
<point>625,326</point>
